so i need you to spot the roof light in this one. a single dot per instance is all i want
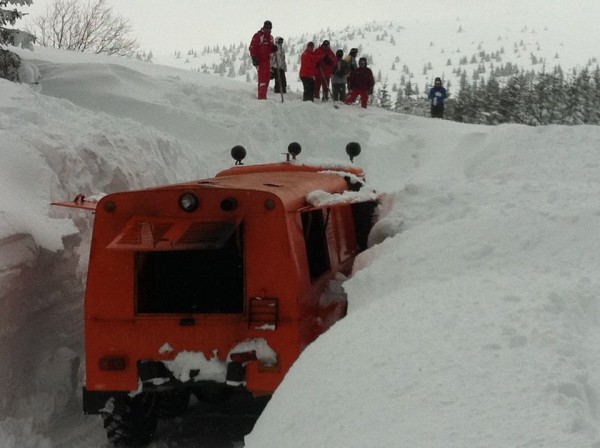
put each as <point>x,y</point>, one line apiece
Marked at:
<point>229,204</point>
<point>238,152</point>
<point>269,204</point>
<point>353,150</point>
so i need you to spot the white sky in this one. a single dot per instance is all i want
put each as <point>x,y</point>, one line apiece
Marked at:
<point>179,25</point>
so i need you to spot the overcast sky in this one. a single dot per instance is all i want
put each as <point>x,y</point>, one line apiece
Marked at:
<point>163,26</point>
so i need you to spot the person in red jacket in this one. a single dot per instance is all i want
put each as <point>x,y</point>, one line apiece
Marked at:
<point>309,71</point>
<point>360,82</point>
<point>327,56</point>
<point>261,47</point>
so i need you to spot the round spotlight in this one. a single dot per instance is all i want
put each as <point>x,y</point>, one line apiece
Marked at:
<point>188,202</point>
<point>270,204</point>
<point>353,150</point>
<point>238,153</point>
<point>294,148</point>
<point>110,206</point>
<point>229,204</point>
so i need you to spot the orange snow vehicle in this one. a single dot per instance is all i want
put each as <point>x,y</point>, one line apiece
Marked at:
<point>216,285</point>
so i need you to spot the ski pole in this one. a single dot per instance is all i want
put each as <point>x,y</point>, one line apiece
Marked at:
<point>326,86</point>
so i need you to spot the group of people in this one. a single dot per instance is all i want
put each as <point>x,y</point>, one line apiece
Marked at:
<point>322,71</point>
<point>321,68</point>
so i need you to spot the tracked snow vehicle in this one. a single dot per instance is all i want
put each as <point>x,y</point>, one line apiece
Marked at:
<point>216,285</point>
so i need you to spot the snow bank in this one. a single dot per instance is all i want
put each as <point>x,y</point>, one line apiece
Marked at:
<point>477,324</point>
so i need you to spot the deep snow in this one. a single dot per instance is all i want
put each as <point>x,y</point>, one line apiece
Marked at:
<point>473,319</point>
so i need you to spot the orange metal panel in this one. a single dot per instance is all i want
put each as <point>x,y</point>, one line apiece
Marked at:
<point>265,201</point>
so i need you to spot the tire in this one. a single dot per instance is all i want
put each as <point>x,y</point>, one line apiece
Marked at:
<point>174,403</point>
<point>132,421</point>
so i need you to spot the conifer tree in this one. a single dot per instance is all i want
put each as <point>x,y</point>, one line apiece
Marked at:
<point>581,97</point>
<point>10,61</point>
<point>595,115</point>
<point>461,102</point>
<point>408,89</point>
<point>383,97</point>
<point>398,103</point>
<point>491,101</point>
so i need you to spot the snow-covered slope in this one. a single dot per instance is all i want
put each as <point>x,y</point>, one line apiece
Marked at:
<point>474,323</point>
<point>416,49</point>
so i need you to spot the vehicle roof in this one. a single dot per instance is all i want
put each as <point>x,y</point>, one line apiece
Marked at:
<point>291,183</point>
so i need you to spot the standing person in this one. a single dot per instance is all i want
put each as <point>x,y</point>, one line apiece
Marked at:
<point>437,95</point>
<point>261,47</point>
<point>339,78</point>
<point>360,82</point>
<point>326,64</point>
<point>351,59</point>
<point>279,67</point>
<point>309,71</point>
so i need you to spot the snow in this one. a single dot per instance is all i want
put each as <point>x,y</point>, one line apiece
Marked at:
<point>320,198</point>
<point>473,319</point>
<point>210,369</point>
<point>264,353</point>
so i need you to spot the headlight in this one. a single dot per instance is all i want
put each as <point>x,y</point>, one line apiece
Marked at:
<point>188,202</point>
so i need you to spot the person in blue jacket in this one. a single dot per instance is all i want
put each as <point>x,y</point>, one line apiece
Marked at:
<point>437,95</point>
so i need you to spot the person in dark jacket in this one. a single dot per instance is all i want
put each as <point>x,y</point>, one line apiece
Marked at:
<point>437,95</point>
<point>360,83</point>
<point>260,48</point>
<point>351,59</point>
<point>340,77</point>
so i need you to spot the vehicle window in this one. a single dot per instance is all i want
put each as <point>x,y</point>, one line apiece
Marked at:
<point>317,253</point>
<point>192,281</point>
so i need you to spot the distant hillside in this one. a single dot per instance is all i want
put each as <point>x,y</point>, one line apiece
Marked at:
<point>402,52</point>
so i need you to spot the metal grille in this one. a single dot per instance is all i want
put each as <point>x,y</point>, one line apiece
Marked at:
<point>144,233</point>
<point>206,234</point>
<point>155,234</point>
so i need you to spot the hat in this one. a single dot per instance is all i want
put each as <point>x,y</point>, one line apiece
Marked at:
<point>325,43</point>
<point>310,45</point>
<point>438,80</point>
<point>268,24</point>
<point>354,51</point>
<point>339,53</point>
<point>279,40</point>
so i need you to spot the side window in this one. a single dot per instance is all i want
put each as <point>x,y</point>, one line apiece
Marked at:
<point>314,226</point>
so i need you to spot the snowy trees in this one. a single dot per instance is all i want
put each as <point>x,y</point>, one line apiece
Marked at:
<point>9,61</point>
<point>11,36</point>
<point>86,27</point>
<point>530,98</point>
